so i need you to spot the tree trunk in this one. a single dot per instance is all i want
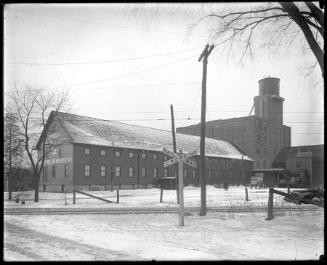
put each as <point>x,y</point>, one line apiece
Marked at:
<point>36,194</point>
<point>9,187</point>
<point>295,14</point>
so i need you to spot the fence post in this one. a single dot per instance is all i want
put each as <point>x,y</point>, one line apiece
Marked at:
<point>246,194</point>
<point>74,196</point>
<point>117,195</point>
<point>288,190</point>
<point>270,204</point>
<point>161,192</point>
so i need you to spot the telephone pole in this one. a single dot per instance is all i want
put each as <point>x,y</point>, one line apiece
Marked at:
<point>204,57</point>
<point>174,145</point>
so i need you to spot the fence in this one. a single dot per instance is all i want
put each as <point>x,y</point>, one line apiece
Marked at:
<point>96,197</point>
<point>289,196</point>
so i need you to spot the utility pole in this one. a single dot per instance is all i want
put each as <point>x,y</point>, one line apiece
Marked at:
<point>204,55</point>
<point>174,145</point>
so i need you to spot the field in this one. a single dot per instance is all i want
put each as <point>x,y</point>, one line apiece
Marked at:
<point>291,235</point>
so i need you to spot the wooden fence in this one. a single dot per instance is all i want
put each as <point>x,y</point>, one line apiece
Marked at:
<point>96,197</point>
<point>289,196</point>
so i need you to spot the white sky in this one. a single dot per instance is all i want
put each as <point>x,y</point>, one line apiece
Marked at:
<point>111,83</point>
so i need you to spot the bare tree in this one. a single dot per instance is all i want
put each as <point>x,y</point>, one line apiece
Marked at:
<point>13,148</point>
<point>276,21</point>
<point>31,107</point>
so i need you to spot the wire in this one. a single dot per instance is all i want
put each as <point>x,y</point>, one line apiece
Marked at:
<point>106,24</point>
<point>105,61</point>
<point>123,86</point>
<point>125,75</point>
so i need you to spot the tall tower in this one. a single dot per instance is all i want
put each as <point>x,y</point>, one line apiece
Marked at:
<point>271,134</point>
<point>269,105</point>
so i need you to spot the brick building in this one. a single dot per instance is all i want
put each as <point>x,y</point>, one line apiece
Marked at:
<point>305,161</point>
<point>261,135</point>
<point>95,153</point>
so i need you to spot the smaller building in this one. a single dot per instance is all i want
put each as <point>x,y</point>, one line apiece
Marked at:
<point>305,162</point>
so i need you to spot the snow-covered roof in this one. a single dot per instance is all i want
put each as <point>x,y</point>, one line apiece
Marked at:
<point>87,130</point>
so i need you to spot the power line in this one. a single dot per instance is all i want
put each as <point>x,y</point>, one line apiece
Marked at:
<point>149,119</point>
<point>122,86</point>
<point>105,61</point>
<point>106,24</point>
<point>181,111</point>
<point>125,75</point>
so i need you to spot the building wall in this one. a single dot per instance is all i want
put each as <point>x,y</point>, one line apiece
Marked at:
<point>218,170</point>
<point>58,164</point>
<point>263,135</point>
<point>318,176</point>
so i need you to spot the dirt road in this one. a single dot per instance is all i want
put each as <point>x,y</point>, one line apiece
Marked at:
<point>19,242</point>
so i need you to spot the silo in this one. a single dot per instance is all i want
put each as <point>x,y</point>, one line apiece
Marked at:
<point>269,86</point>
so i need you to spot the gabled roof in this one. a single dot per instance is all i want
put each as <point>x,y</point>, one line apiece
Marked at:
<point>292,152</point>
<point>87,130</point>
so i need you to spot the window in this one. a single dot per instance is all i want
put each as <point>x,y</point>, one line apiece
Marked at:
<point>117,153</point>
<point>102,171</point>
<point>59,151</point>
<point>166,172</point>
<point>87,151</point>
<point>103,152</point>
<point>44,174</point>
<point>131,172</point>
<point>264,139</point>
<point>54,171</point>
<point>143,155</point>
<point>298,164</point>
<point>265,127</point>
<point>209,174</point>
<point>143,172</point>
<point>87,170</point>
<point>117,171</point>
<point>66,170</point>
<point>155,156</point>
<point>131,155</point>
<point>194,174</point>
<point>155,172</point>
<point>258,138</point>
<point>185,173</point>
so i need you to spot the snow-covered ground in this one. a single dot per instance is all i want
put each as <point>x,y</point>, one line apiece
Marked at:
<point>233,197</point>
<point>216,236</point>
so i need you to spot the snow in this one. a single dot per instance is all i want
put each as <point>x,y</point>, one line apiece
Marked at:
<point>234,197</point>
<point>217,236</point>
<point>158,236</point>
<point>111,133</point>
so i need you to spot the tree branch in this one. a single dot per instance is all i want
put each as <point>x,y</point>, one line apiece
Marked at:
<point>317,13</point>
<point>294,12</point>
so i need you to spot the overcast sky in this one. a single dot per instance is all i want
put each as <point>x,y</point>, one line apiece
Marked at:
<point>129,62</point>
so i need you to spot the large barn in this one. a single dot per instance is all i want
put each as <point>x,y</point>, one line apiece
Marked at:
<point>93,153</point>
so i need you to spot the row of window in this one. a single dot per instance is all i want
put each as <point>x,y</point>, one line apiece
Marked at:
<point>53,171</point>
<point>131,171</point>
<point>103,152</point>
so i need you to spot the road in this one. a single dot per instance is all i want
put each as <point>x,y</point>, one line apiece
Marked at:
<point>20,242</point>
<point>149,210</point>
